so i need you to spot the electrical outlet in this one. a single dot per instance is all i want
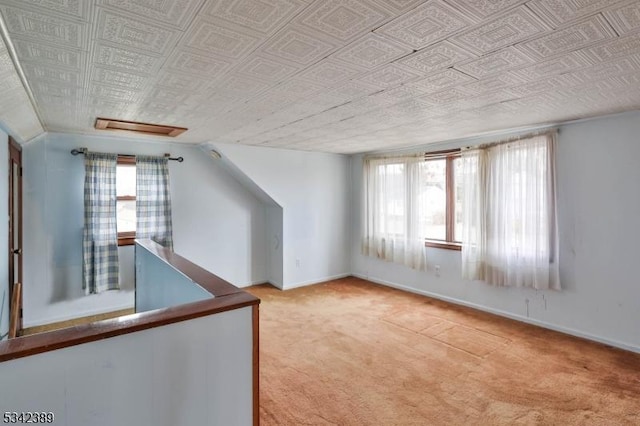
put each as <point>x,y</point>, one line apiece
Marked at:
<point>297,263</point>
<point>437,269</point>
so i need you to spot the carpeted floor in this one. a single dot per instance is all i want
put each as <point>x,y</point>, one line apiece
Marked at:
<point>350,352</point>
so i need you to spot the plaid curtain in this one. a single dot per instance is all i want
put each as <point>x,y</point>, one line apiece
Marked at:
<point>153,201</point>
<point>100,236</point>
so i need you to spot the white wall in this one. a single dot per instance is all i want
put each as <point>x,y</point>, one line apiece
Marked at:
<point>196,372</point>
<point>4,235</point>
<point>313,190</point>
<point>159,285</point>
<point>217,224</point>
<point>273,238</point>
<point>598,207</point>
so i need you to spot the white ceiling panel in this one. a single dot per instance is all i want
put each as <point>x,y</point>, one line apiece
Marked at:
<point>342,19</point>
<point>442,80</point>
<point>436,57</point>
<point>177,13</point>
<point>17,114</point>
<point>515,26</point>
<point>330,72</point>
<point>626,19</point>
<point>484,8</point>
<point>69,8</point>
<point>426,24</point>
<point>264,16</point>
<point>122,29</point>
<point>37,26</point>
<point>390,76</point>
<point>212,38</point>
<point>328,75</point>
<point>583,34</point>
<point>371,51</point>
<point>557,12</point>
<point>293,44</point>
<point>500,61</point>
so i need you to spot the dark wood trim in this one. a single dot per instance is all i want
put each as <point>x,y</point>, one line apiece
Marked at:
<point>15,276</point>
<point>210,282</point>
<point>126,241</point>
<point>126,238</point>
<point>76,321</point>
<point>449,198</point>
<point>449,156</point>
<point>227,297</point>
<point>16,303</point>
<point>255,314</point>
<point>44,342</point>
<point>126,160</point>
<point>139,127</point>
<point>443,245</point>
<point>443,153</point>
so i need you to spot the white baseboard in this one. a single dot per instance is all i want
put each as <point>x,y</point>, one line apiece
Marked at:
<point>532,321</point>
<point>317,281</point>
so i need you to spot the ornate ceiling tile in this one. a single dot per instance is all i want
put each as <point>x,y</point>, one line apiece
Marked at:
<point>372,51</point>
<point>583,34</point>
<point>515,26</point>
<point>426,24</point>
<point>437,57</point>
<point>500,61</point>
<point>342,19</point>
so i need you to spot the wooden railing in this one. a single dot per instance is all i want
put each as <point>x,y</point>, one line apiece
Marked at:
<point>15,325</point>
<point>226,297</point>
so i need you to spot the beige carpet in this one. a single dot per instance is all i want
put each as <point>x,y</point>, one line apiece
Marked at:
<point>350,352</point>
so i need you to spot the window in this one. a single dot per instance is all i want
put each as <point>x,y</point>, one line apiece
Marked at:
<point>440,193</point>
<point>495,203</point>
<point>510,234</point>
<point>126,196</point>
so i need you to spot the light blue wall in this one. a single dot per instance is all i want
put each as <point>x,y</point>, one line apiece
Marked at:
<point>313,190</point>
<point>217,223</point>
<point>4,234</point>
<point>159,285</point>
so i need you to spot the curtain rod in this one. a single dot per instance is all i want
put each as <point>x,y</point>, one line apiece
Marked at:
<point>82,151</point>
<point>553,131</point>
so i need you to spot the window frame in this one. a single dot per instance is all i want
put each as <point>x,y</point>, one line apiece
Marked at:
<point>449,156</point>
<point>126,238</point>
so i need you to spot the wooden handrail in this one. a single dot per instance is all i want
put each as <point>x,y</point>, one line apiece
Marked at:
<point>226,297</point>
<point>16,303</point>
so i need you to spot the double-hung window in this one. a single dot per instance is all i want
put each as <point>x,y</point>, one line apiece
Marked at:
<point>496,203</point>
<point>440,194</point>
<point>126,196</point>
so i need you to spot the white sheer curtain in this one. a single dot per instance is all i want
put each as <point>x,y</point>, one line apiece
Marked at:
<point>394,209</point>
<point>509,214</point>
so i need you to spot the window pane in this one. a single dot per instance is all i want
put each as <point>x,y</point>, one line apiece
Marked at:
<point>126,215</point>
<point>458,180</point>
<point>126,180</point>
<point>392,186</point>
<point>433,199</point>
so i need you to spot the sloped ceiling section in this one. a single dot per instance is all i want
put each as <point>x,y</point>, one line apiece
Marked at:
<point>17,115</point>
<point>328,75</point>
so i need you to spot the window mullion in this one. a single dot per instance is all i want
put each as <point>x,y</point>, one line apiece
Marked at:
<point>450,211</point>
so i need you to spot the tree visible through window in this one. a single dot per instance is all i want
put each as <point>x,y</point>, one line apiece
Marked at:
<point>126,195</point>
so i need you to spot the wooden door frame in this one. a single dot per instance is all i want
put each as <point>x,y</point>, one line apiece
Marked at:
<point>15,156</point>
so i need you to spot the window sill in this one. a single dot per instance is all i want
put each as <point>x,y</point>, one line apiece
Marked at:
<point>126,240</point>
<point>443,245</point>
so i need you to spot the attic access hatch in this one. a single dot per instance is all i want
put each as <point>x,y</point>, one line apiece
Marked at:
<point>134,126</point>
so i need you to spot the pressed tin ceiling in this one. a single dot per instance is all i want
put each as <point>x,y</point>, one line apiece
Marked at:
<point>327,75</point>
